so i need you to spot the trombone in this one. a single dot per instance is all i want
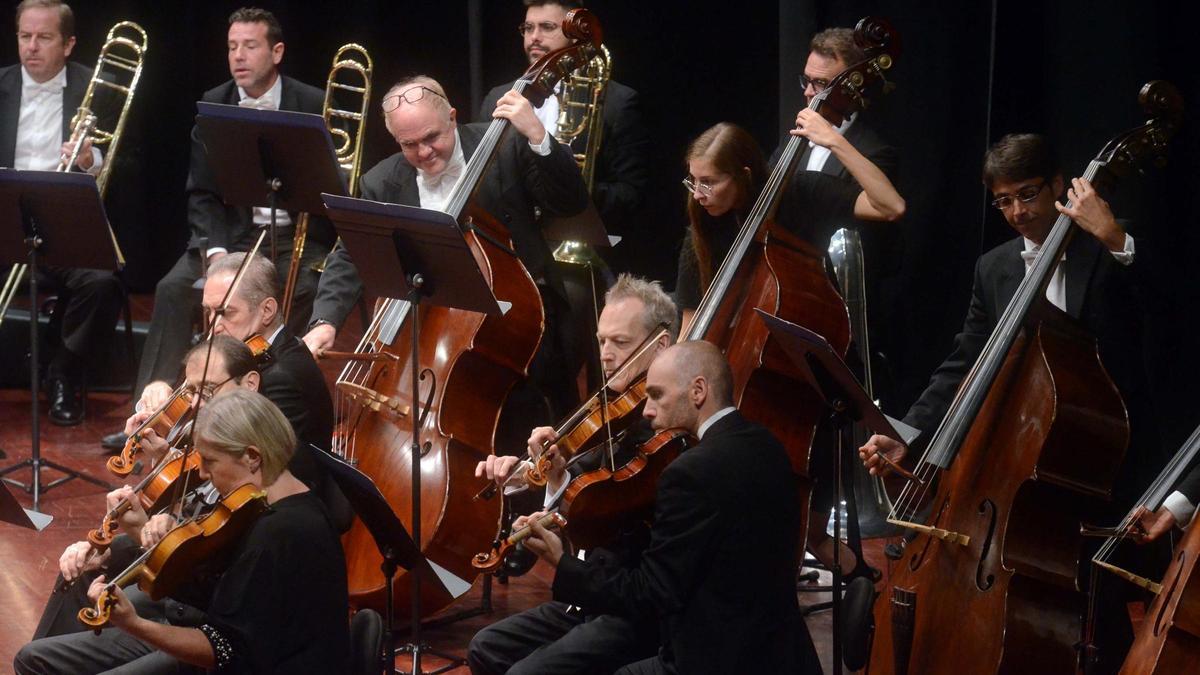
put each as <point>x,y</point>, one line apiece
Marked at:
<point>121,58</point>
<point>350,58</point>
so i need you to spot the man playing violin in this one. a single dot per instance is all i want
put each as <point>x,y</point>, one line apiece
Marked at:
<point>264,613</point>
<point>554,637</point>
<point>719,572</point>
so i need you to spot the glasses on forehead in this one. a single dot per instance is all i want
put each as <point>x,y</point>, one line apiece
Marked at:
<point>818,84</point>
<point>703,187</point>
<point>1026,194</point>
<point>411,95</point>
<point>207,391</point>
<point>544,26</point>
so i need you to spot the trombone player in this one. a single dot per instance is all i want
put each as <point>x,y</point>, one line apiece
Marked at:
<point>38,98</point>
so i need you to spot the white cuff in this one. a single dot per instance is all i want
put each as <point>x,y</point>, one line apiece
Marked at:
<point>517,488</point>
<point>542,148</point>
<point>552,498</point>
<point>1125,256</point>
<point>1180,507</point>
<point>97,162</point>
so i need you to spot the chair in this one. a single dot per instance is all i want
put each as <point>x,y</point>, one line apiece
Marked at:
<point>366,643</point>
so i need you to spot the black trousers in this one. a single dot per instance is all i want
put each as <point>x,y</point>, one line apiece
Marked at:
<point>89,302</point>
<point>177,302</point>
<point>550,639</point>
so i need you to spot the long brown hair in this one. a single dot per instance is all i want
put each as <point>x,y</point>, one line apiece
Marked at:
<point>731,149</point>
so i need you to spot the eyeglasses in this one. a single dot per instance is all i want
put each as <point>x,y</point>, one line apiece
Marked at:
<point>411,95</point>
<point>1026,194</point>
<point>546,27</point>
<point>700,186</point>
<point>207,391</point>
<point>819,85</point>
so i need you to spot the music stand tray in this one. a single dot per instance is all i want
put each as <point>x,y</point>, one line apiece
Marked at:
<point>57,219</point>
<point>419,255</point>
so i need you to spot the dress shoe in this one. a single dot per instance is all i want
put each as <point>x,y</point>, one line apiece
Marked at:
<point>115,441</point>
<point>66,402</point>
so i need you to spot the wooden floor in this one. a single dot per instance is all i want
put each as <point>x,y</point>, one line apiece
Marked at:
<point>29,560</point>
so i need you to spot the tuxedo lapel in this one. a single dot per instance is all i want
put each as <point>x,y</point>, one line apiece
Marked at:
<point>1082,255</point>
<point>10,113</point>
<point>1011,273</point>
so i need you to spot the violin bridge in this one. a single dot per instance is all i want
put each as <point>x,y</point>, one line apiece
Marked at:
<point>937,532</point>
<point>1139,581</point>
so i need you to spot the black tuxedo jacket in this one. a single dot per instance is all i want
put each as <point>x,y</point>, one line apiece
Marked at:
<point>232,227</point>
<point>864,139</point>
<point>518,184</point>
<point>10,104</point>
<point>622,171</point>
<point>720,570</point>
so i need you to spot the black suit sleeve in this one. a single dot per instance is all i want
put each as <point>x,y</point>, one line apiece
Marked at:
<point>622,173</point>
<point>931,407</point>
<point>207,214</point>
<point>339,289</point>
<point>684,532</point>
<point>552,180</point>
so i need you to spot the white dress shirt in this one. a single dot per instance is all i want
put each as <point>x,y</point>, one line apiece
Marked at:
<point>713,420</point>
<point>39,125</point>
<point>261,215</point>
<point>548,113</point>
<point>820,154</point>
<point>434,191</point>
<point>1056,290</point>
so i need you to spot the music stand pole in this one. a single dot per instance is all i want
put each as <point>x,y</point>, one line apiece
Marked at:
<point>415,282</point>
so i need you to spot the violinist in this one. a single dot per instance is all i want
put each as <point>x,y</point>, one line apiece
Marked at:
<point>230,366</point>
<point>719,572</point>
<point>726,172</point>
<point>279,606</point>
<point>553,637</point>
<point>532,176</point>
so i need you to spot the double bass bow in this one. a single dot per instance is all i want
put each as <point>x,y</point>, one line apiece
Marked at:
<point>468,364</point>
<point>1030,447</point>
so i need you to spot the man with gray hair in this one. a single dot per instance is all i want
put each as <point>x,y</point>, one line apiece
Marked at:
<point>553,638</point>
<point>531,176</point>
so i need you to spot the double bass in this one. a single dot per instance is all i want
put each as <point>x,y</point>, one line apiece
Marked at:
<point>468,363</point>
<point>1168,639</point>
<point>771,269</point>
<point>1029,449</point>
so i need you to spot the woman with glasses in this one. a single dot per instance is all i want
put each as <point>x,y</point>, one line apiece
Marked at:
<point>726,173</point>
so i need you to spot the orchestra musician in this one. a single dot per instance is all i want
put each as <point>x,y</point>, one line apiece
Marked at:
<point>532,172</point>
<point>255,51</point>
<point>279,606</point>
<point>726,172</point>
<point>1097,282</point>
<point>553,637</point>
<point>38,98</point>
<point>720,570</point>
<point>622,164</point>
<point>230,365</point>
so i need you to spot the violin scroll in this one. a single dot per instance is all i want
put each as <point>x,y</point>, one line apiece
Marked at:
<point>97,617</point>
<point>1163,105</point>
<point>852,89</point>
<point>491,560</point>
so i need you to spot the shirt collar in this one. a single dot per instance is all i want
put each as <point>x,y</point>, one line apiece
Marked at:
<point>274,94</point>
<point>59,81</point>
<point>1030,251</point>
<point>713,420</point>
<point>275,335</point>
<point>453,168</point>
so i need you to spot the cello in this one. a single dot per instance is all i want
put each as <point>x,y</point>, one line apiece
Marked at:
<point>771,269</point>
<point>1168,640</point>
<point>1036,433</point>
<point>468,364</point>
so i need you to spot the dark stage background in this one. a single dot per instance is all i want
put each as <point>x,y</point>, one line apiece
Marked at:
<point>970,72</point>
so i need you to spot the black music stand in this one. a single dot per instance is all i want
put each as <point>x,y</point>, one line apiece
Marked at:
<point>56,218</point>
<point>420,255</point>
<point>396,547</point>
<point>274,158</point>
<point>847,403</point>
<point>11,511</point>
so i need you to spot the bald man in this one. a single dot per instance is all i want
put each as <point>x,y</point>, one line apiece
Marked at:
<point>720,570</point>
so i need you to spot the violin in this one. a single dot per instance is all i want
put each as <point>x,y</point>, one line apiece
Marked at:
<point>490,562</point>
<point>170,420</point>
<point>603,414</point>
<point>169,564</point>
<point>155,492</point>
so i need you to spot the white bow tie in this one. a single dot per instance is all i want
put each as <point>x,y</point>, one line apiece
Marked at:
<point>264,102</point>
<point>49,87</point>
<point>1030,256</point>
